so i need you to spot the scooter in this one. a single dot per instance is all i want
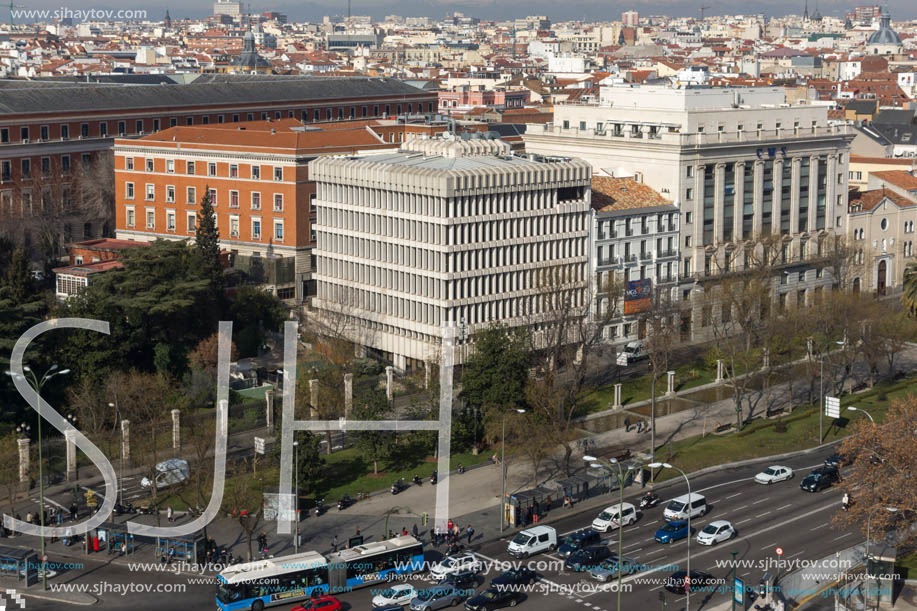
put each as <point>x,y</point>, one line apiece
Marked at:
<point>344,502</point>
<point>650,500</point>
<point>124,509</point>
<point>398,486</point>
<point>319,508</point>
<point>152,510</point>
<point>433,478</point>
<point>417,481</point>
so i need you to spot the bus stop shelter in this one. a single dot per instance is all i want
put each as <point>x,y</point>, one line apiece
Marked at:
<point>191,548</point>
<point>527,506</point>
<point>20,563</point>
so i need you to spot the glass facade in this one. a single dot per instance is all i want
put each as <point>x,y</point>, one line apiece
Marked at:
<point>748,201</point>
<point>709,196</point>
<point>729,192</point>
<point>803,223</point>
<point>767,226</point>
<point>786,196</point>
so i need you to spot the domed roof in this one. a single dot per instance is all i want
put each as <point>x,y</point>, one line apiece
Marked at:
<point>885,35</point>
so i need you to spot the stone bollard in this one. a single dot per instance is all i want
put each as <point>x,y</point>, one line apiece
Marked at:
<point>348,394</point>
<point>176,429</point>
<point>617,403</point>
<point>670,389</point>
<point>767,359</point>
<point>70,437</point>
<point>389,378</point>
<point>126,441</point>
<point>719,371</point>
<point>24,455</point>
<point>313,399</point>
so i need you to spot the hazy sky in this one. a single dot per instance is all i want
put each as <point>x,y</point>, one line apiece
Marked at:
<point>486,9</point>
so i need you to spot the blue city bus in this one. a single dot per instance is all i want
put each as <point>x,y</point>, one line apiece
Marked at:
<point>278,581</point>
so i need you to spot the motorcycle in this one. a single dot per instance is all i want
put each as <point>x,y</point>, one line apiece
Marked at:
<point>150,510</point>
<point>344,502</point>
<point>417,481</point>
<point>319,508</point>
<point>650,500</point>
<point>398,486</point>
<point>433,478</point>
<point>124,509</point>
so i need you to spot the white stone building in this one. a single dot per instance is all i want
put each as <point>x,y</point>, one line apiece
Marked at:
<point>444,233</point>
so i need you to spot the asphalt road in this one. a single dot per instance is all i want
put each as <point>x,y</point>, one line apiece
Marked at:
<point>766,517</point>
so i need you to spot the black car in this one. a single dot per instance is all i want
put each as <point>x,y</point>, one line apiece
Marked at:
<point>460,580</point>
<point>587,558</point>
<point>820,479</point>
<point>579,540</point>
<point>514,577</point>
<point>676,581</point>
<point>837,460</point>
<point>493,599</point>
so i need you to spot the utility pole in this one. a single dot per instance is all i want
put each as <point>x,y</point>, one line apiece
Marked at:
<point>734,554</point>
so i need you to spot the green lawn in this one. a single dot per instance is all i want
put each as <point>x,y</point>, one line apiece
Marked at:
<point>907,566</point>
<point>640,389</point>
<point>760,438</point>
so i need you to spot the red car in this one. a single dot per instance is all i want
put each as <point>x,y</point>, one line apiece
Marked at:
<point>320,603</point>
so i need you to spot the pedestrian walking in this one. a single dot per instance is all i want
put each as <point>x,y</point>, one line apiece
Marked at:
<point>334,544</point>
<point>404,531</point>
<point>73,512</point>
<point>414,530</point>
<point>470,532</point>
<point>627,424</point>
<point>28,517</point>
<point>171,554</point>
<point>358,531</point>
<point>170,514</point>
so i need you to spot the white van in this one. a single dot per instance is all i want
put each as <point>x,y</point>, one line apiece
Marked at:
<point>680,508</point>
<point>612,517</point>
<point>634,351</point>
<point>531,541</point>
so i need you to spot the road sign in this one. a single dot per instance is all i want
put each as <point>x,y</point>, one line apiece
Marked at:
<point>779,551</point>
<point>832,407</point>
<point>622,359</point>
<point>259,445</point>
<point>739,592</point>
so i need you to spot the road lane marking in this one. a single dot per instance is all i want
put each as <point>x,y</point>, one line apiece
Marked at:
<point>819,526</point>
<point>733,496</point>
<point>763,514</point>
<point>767,498</point>
<point>743,521</point>
<point>784,507</point>
<point>796,554</point>
<point>740,508</point>
<point>768,546</point>
<point>842,536</point>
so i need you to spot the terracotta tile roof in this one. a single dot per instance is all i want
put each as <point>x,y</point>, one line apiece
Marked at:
<point>623,193</point>
<point>868,200</point>
<point>86,269</point>
<point>899,178</point>
<point>883,160</point>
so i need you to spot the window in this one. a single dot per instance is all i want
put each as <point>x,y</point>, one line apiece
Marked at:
<point>689,171</point>
<point>150,219</point>
<point>65,164</point>
<point>150,192</point>
<point>45,166</point>
<point>128,163</point>
<point>233,199</point>
<point>149,165</point>
<point>256,229</point>
<point>6,171</point>
<point>84,130</point>
<point>24,134</point>
<point>129,190</point>
<point>156,125</point>
<point>233,170</point>
<point>688,240</point>
<point>278,173</point>
<point>170,220</point>
<point>191,196</point>
<point>884,224</point>
<point>122,128</point>
<point>256,200</point>
<point>43,132</point>
<point>173,122</point>
<point>170,166</point>
<point>139,126</point>
<point>213,197</point>
<point>189,120</point>
<point>129,216</point>
<point>170,193</point>
<point>278,202</point>
<point>689,193</point>
<point>278,231</point>
<point>189,167</point>
<point>5,135</point>
<point>689,218</point>
<point>211,169</point>
<point>191,220</point>
<point>234,226</point>
<point>26,166</point>
<point>256,172</point>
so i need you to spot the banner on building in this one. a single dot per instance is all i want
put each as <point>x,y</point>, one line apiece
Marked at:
<point>639,296</point>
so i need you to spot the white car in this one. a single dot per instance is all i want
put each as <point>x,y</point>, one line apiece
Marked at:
<point>716,531</point>
<point>458,563</point>
<point>400,594</point>
<point>774,474</point>
<point>611,517</point>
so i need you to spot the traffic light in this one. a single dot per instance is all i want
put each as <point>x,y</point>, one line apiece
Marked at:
<point>423,518</point>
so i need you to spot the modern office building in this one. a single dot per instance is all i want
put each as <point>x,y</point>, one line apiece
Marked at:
<point>233,8</point>
<point>446,232</point>
<point>635,246</point>
<point>738,162</point>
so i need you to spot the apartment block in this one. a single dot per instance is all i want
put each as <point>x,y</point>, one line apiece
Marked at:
<point>445,233</point>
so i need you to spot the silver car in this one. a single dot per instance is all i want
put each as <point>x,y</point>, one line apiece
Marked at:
<point>608,570</point>
<point>437,597</point>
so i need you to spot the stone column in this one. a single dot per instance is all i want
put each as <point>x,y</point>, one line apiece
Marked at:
<point>348,394</point>
<point>617,402</point>
<point>719,178</point>
<point>24,480</point>
<point>719,371</point>
<point>176,429</point>
<point>814,170</point>
<point>810,349</point>
<point>70,437</point>
<point>738,208</point>
<point>427,365</point>
<point>698,228</point>
<point>389,379</point>
<point>831,193</point>
<point>777,183</point>
<point>269,409</point>
<point>126,440</point>
<point>313,399</point>
<point>759,202</point>
<point>670,389</point>
<point>794,194</point>
<point>766,353</point>
<point>578,358</point>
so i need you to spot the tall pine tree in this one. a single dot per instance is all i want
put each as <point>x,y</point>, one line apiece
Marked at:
<point>207,242</point>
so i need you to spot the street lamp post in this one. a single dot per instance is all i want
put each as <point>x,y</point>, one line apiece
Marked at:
<point>503,470</point>
<point>614,461</point>
<point>666,465</point>
<point>734,554</point>
<point>296,496</point>
<point>821,388</point>
<point>37,384</point>
<point>862,411</point>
